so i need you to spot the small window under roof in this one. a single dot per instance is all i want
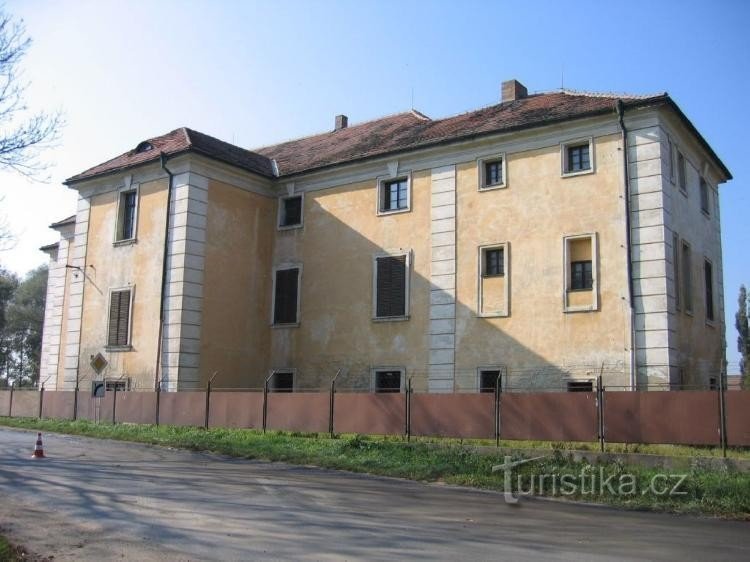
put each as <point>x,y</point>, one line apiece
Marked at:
<point>143,147</point>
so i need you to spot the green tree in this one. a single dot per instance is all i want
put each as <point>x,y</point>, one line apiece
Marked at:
<point>743,338</point>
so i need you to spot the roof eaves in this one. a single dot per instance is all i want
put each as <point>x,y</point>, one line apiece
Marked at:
<point>49,247</point>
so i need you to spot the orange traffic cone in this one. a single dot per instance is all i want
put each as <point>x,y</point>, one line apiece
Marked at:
<point>39,449</point>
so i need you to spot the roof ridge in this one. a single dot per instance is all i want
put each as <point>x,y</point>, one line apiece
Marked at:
<point>615,95</point>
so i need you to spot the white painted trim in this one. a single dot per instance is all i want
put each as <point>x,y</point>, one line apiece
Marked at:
<point>280,213</point>
<point>503,375</point>
<point>564,157</point>
<point>284,267</point>
<point>375,370</point>
<point>594,306</point>
<point>407,297</point>
<point>293,371</point>
<point>121,192</point>
<point>381,181</point>
<point>505,246</point>
<point>481,162</point>
<point>129,345</point>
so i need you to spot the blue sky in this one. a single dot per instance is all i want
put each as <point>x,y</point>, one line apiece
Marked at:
<point>255,73</point>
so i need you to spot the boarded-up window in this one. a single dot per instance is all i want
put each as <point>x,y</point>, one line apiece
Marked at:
<point>390,286</point>
<point>286,296</point>
<point>119,318</point>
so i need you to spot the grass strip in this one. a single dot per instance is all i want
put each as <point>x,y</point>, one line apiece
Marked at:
<point>699,490</point>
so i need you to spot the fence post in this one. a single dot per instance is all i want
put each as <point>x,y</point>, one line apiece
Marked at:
<point>265,403</point>
<point>41,400</point>
<point>208,398</point>
<point>722,416</point>
<point>114,403</point>
<point>407,421</point>
<point>497,411</point>
<point>10,404</point>
<point>158,402</point>
<point>331,403</point>
<point>600,412</point>
<point>75,403</point>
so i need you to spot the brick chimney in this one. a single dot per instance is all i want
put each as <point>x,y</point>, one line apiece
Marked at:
<point>513,90</point>
<point>342,121</point>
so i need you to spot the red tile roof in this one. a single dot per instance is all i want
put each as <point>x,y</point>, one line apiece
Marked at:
<point>388,135</point>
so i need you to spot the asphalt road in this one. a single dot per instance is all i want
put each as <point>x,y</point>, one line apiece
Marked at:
<point>103,500</point>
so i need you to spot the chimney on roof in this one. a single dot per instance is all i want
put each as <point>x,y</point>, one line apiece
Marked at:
<point>513,90</point>
<point>342,121</point>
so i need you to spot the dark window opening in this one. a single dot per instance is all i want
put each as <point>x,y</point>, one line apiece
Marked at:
<point>713,383</point>
<point>285,297</point>
<point>681,172</point>
<point>395,195</point>
<point>578,158</point>
<point>709,277</point>
<point>494,262</point>
<point>144,146</point>
<point>388,381</point>
<point>580,386</point>
<point>493,173</point>
<point>687,278</point>
<point>488,380</point>
<point>581,277</point>
<point>128,202</point>
<point>391,286</point>
<point>704,197</point>
<point>282,382</point>
<point>119,318</point>
<point>120,385</point>
<point>291,211</point>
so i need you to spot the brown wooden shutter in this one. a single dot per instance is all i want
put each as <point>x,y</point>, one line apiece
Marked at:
<point>119,318</point>
<point>391,286</point>
<point>285,300</point>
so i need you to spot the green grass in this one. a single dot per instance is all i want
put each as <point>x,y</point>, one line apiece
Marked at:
<point>8,552</point>
<point>722,493</point>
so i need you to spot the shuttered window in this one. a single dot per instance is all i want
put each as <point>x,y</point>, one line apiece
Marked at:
<point>390,286</point>
<point>119,318</point>
<point>286,296</point>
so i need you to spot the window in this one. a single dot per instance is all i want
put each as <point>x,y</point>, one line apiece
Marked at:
<point>676,268</point>
<point>281,381</point>
<point>581,277</point>
<point>286,296</point>
<point>580,386</point>
<point>681,172</point>
<point>713,383</point>
<point>119,318</point>
<point>709,286</point>
<point>577,157</point>
<point>127,215</point>
<point>391,286</point>
<point>494,262</point>
<point>492,172</point>
<point>290,211</point>
<point>387,380</point>
<point>394,195</point>
<point>705,206</point>
<point>488,379</point>
<point>670,160</point>
<point>687,285</point>
<point>121,385</point>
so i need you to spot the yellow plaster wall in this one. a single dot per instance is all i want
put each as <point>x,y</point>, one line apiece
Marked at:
<point>533,214</point>
<point>137,264</point>
<point>60,375</point>
<point>235,333</point>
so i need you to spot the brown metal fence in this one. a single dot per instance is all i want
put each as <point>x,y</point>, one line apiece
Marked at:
<point>693,417</point>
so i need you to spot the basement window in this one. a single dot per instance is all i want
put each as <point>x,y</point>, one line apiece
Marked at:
<point>120,385</point>
<point>580,386</point>
<point>488,379</point>
<point>281,381</point>
<point>577,157</point>
<point>387,380</point>
<point>290,212</point>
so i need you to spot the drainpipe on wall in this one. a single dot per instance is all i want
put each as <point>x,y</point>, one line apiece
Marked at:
<point>628,241</point>
<point>157,370</point>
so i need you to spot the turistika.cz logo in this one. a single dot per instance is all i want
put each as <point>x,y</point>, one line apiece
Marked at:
<point>588,482</point>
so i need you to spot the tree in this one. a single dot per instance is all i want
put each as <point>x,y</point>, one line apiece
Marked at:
<point>743,339</point>
<point>22,134</point>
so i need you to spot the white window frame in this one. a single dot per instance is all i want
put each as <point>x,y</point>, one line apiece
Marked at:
<point>375,370</point>
<point>293,371</point>
<point>505,246</point>
<point>280,212</point>
<point>594,306</point>
<point>407,297</point>
<point>481,368</point>
<point>709,322</point>
<point>284,267</point>
<point>381,181</point>
<point>128,346</point>
<point>670,148</point>
<point>481,172</point>
<point>117,241</point>
<point>564,172</point>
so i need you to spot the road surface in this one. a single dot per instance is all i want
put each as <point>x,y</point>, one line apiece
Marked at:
<point>102,500</point>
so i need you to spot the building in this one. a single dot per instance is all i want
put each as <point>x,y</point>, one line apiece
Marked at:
<point>547,239</point>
